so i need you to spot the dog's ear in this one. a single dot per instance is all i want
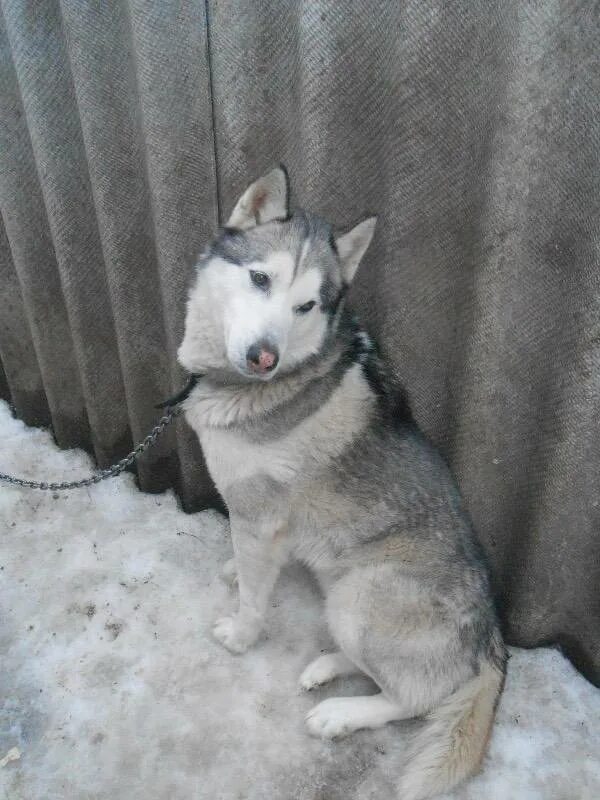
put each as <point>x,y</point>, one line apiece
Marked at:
<point>263,201</point>
<point>353,245</point>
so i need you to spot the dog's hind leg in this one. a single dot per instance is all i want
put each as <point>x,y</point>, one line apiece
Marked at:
<point>325,668</point>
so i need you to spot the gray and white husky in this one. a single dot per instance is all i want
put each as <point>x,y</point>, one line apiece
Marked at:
<point>312,446</point>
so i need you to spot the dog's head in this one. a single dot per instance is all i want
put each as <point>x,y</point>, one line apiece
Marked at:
<point>269,287</point>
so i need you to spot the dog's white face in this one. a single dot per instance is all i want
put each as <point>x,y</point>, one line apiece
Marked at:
<point>269,287</point>
<point>261,304</point>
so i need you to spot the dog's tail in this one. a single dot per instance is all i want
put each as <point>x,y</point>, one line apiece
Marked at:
<point>453,740</point>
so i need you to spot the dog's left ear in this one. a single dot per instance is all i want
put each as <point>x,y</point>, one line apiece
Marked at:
<point>263,201</point>
<point>353,245</point>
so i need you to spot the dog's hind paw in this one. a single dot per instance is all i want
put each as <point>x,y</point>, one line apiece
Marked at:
<point>329,720</point>
<point>339,716</point>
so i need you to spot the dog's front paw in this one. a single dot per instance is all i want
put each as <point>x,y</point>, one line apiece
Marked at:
<point>229,572</point>
<point>322,670</point>
<point>234,635</point>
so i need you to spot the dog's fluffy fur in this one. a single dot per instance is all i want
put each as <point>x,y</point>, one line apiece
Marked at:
<point>319,459</point>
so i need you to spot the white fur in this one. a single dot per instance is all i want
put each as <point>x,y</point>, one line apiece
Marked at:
<point>252,315</point>
<point>237,632</point>
<point>229,572</point>
<point>340,716</point>
<point>227,314</point>
<point>326,668</point>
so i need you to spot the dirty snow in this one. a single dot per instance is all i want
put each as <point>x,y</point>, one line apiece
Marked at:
<point>111,686</point>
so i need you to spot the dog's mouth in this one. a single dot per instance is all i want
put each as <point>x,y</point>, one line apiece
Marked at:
<point>256,375</point>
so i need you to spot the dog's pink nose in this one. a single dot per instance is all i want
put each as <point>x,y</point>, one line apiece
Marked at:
<point>262,358</point>
<point>266,360</point>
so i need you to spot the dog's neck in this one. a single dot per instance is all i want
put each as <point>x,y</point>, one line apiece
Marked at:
<point>226,405</point>
<point>222,401</point>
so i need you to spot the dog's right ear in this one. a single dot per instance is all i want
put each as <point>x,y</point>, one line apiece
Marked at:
<point>353,245</point>
<point>263,201</point>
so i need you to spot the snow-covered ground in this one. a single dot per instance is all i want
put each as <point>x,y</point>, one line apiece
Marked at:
<point>111,687</point>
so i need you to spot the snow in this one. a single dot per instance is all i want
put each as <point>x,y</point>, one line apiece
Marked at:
<point>111,686</point>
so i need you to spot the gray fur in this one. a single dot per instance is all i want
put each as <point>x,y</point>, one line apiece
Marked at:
<point>324,464</point>
<point>246,246</point>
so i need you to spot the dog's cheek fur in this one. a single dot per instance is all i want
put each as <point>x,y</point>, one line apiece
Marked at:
<point>306,339</point>
<point>203,344</point>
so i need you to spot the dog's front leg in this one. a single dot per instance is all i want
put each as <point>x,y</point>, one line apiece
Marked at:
<point>260,550</point>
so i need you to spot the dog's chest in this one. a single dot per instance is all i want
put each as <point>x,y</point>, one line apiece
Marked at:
<point>296,456</point>
<point>232,458</point>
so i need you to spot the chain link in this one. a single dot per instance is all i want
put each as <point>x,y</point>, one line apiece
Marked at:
<point>103,474</point>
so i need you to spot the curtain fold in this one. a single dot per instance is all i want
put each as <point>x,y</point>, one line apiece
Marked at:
<point>470,128</point>
<point>107,195</point>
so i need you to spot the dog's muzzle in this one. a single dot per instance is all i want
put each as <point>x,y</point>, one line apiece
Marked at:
<point>262,358</point>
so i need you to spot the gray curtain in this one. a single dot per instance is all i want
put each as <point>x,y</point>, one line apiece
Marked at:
<point>472,128</point>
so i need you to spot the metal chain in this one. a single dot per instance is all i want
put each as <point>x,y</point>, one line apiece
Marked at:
<point>109,472</point>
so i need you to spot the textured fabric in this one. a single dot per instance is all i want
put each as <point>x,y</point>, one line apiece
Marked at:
<point>472,130</point>
<point>107,192</point>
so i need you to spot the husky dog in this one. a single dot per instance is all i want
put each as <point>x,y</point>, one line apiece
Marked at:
<point>312,446</point>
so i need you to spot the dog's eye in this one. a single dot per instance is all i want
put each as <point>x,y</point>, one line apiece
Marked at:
<point>260,279</point>
<point>306,307</point>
